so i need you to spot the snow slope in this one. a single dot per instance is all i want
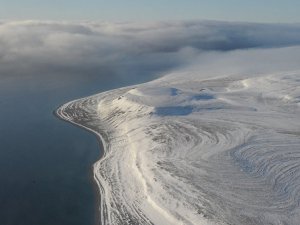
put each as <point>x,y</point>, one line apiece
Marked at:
<point>190,149</point>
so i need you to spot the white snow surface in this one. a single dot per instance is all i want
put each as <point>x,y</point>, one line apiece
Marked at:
<point>189,149</point>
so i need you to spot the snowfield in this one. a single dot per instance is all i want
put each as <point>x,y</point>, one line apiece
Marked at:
<point>189,149</point>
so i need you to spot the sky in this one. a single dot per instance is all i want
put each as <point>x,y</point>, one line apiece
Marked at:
<point>275,11</point>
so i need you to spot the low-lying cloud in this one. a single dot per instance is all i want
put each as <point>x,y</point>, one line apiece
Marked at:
<point>125,50</point>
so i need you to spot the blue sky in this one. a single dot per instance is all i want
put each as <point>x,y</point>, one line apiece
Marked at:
<point>146,10</point>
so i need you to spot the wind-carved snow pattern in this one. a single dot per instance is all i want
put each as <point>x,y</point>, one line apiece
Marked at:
<point>222,150</point>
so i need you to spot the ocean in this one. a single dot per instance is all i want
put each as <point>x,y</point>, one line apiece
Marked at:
<point>46,163</point>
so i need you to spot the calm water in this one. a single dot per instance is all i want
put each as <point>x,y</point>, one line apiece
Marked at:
<point>45,163</point>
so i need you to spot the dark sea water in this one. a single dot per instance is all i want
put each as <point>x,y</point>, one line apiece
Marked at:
<point>46,163</point>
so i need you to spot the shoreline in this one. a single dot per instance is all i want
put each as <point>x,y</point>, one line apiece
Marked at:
<point>157,156</point>
<point>102,212</point>
<point>92,175</point>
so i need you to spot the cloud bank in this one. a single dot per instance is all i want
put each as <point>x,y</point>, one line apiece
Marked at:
<point>126,50</point>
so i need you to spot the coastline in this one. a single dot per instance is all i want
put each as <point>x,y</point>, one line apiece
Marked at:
<point>92,173</point>
<point>72,112</point>
<point>157,154</point>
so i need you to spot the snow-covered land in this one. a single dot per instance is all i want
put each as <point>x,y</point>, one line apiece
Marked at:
<point>194,149</point>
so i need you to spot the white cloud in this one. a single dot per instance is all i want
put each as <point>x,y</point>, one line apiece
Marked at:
<point>123,50</point>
